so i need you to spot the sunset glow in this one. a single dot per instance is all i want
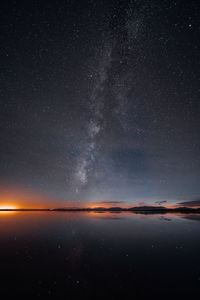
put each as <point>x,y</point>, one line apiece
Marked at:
<point>7,207</point>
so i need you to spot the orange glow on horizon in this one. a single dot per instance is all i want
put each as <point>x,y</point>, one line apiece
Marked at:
<point>106,204</point>
<point>8,206</point>
<point>16,197</point>
<point>4,209</point>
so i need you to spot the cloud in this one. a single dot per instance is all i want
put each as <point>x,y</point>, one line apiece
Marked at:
<point>190,203</point>
<point>160,202</point>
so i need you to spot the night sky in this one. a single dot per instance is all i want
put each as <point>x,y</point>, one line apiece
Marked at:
<point>100,100</point>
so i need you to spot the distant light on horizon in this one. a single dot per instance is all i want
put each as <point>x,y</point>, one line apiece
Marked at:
<point>7,208</point>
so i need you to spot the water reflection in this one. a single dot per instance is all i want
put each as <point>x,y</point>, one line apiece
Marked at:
<point>56,253</point>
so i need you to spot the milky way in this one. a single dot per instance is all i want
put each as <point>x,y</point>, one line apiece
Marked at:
<point>96,123</point>
<point>110,93</point>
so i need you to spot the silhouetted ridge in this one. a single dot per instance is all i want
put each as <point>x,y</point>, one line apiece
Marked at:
<point>148,208</point>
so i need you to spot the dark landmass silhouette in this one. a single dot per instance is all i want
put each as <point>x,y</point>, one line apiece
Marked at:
<point>136,209</point>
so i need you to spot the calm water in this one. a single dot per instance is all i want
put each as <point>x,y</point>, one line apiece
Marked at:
<point>54,254</point>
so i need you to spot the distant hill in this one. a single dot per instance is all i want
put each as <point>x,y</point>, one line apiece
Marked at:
<point>148,208</point>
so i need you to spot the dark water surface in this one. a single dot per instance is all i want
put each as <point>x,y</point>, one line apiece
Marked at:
<point>60,254</point>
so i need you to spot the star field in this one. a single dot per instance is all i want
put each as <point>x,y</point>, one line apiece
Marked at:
<point>100,99</point>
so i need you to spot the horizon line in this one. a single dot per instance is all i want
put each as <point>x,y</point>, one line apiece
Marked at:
<point>112,208</point>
